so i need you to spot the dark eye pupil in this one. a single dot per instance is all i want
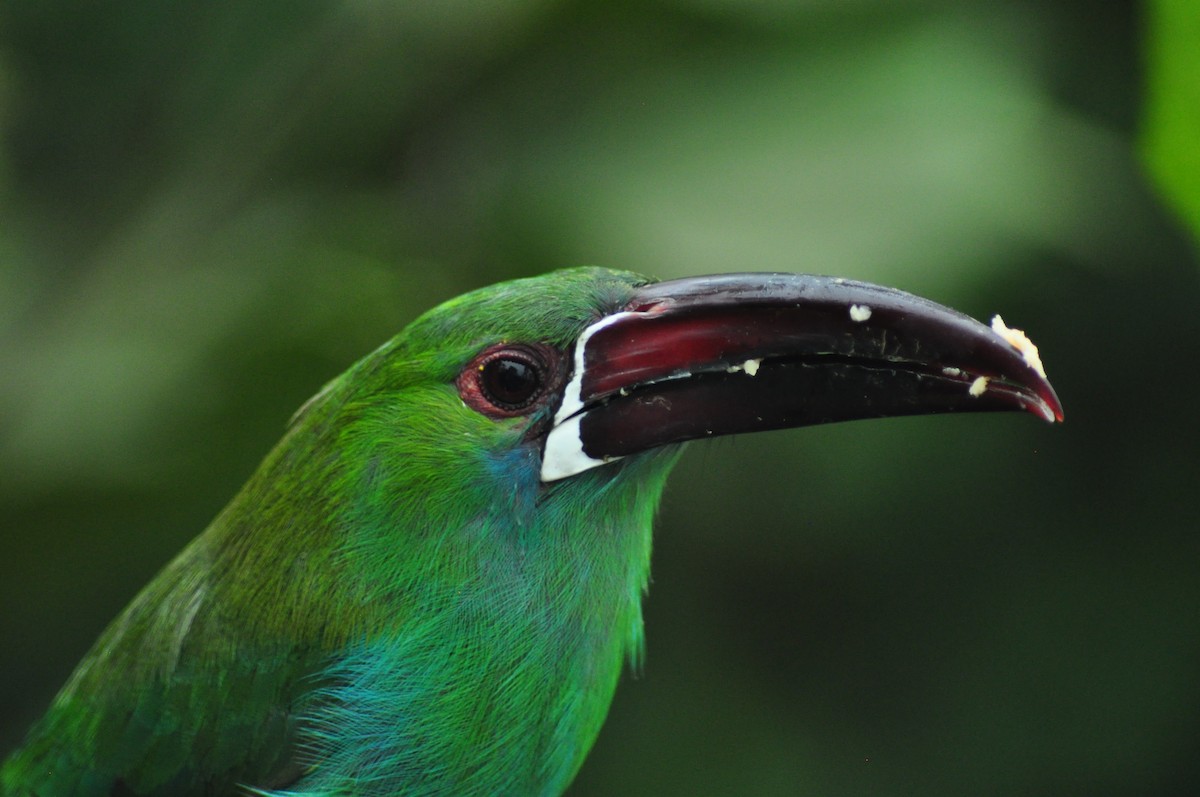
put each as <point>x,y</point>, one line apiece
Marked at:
<point>509,382</point>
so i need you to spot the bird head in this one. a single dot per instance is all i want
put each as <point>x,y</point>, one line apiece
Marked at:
<point>540,381</point>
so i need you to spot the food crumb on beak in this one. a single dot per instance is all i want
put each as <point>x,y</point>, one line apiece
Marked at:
<point>978,386</point>
<point>859,312</point>
<point>751,366</point>
<point>1021,342</point>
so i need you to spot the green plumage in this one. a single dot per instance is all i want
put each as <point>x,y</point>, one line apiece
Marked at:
<point>394,604</point>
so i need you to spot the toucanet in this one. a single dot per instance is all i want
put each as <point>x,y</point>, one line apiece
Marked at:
<point>432,583</point>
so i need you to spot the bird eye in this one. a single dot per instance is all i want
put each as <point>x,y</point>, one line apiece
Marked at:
<point>508,380</point>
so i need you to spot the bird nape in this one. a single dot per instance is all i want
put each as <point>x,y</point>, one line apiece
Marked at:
<point>431,584</point>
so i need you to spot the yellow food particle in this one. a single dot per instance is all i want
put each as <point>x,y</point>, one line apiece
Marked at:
<point>1021,342</point>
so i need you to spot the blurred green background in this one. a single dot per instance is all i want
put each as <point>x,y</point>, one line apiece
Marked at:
<point>209,209</point>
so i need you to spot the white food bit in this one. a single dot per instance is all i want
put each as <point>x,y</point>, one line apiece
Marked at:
<point>978,386</point>
<point>859,312</point>
<point>733,369</point>
<point>751,366</point>
<point>1019,341</point>
<point>951,371</point>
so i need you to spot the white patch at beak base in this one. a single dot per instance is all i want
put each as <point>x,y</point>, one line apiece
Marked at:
<point>563,455</point>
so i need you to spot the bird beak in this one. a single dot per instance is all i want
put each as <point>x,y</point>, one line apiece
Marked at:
<point>709,356</point>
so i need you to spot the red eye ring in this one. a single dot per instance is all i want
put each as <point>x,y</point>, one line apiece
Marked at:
<point>509,380</point>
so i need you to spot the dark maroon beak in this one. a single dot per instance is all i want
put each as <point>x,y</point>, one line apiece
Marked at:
<point>708,356</point>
